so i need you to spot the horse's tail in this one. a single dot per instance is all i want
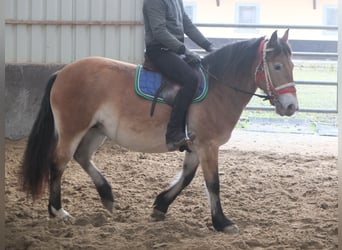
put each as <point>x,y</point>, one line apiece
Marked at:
<point>41,143</point>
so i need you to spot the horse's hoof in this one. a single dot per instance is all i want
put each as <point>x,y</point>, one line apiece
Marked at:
<point>231,229</point>
<point>108,204</point>
<point>69,220</point>
<point>61,214</point>
<point>157,215</point>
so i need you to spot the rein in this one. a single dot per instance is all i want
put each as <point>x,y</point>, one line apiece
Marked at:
<point>264,97</point>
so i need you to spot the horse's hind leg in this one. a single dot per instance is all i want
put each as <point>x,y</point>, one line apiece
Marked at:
<point>90,142</point>
<point>164,199</point>
<point>63,154</point>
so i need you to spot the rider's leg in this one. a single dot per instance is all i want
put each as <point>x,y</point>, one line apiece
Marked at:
<point>176,69</point>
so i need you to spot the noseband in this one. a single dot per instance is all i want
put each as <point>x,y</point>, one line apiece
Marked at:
<point>262,73</point>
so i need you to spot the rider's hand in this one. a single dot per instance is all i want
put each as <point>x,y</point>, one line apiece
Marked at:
<point>211,48</point>
<point>192,58</point>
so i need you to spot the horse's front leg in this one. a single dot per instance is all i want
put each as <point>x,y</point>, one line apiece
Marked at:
<point>165,198</point>
<point>209,163</point>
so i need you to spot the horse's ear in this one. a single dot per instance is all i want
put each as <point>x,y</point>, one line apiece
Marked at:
<point>285,37</point>
<point>274,40</point>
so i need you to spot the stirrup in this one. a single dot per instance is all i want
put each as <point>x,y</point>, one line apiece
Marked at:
<point>172,146</point>
<point>185,147</point>
<point>183,144</point>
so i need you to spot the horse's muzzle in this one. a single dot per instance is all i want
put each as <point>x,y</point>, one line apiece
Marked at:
<point>286,104</point>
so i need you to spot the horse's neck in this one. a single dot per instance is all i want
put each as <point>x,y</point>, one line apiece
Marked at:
<point>230,99</point>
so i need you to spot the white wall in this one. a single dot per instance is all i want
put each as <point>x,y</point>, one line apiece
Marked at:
<point>61,31</point>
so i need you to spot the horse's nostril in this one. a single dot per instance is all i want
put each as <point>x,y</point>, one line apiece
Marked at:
<point>291,108</point>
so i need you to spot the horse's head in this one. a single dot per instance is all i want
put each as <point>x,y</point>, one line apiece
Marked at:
<point>274,74</point>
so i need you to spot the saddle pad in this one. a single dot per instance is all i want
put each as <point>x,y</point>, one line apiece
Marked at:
<point>148,82</point>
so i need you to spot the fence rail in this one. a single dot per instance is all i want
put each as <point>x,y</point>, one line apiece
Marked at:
<point>322,83</point>
<point>315,55</point>
<point>305,110</point>
<point>268,26</point>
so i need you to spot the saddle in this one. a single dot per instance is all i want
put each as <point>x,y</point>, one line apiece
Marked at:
<point>152,85</point>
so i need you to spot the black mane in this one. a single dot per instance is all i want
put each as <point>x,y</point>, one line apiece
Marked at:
<point>233,61</point>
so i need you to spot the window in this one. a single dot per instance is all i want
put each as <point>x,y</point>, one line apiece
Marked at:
<point>190,9</point>
<point>330,13</point>
<point>246,13</point>
<point>330,18</point>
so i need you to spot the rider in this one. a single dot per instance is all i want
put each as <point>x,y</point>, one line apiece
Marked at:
<point>165,25</point>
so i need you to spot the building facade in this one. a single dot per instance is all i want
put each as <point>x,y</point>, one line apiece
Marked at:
<point>266,12</point>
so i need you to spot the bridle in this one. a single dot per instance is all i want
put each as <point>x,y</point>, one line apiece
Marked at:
<point>262,75</point>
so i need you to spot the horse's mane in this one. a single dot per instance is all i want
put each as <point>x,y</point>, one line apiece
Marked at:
<point>234,60</point>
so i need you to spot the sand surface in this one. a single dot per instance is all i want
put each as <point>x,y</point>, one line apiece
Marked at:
<point>280,189</point>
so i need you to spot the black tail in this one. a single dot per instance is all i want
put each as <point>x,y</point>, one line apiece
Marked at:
<point>40,146</point>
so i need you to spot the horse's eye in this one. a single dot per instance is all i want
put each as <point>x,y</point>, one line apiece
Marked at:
<point>277,66</point>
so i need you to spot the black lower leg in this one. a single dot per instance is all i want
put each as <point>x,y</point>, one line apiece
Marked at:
<point>54,190</point>
<point>220,221</point>
<point>105,190</point>
<point>164,199</point>
<point>162,203</point>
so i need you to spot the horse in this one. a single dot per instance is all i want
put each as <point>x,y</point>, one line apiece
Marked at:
<point>93,98</point>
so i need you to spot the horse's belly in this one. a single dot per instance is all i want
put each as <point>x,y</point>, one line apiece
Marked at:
<point>146,144</point>
<point>139,133</point>
<point>143,140</point>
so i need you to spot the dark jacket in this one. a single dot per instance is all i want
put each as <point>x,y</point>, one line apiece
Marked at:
<point>166,23</point>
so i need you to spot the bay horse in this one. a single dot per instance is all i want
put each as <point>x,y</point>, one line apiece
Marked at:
<point>93,98</point>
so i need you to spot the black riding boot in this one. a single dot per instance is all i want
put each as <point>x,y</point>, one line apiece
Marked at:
<point>175,135</point>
